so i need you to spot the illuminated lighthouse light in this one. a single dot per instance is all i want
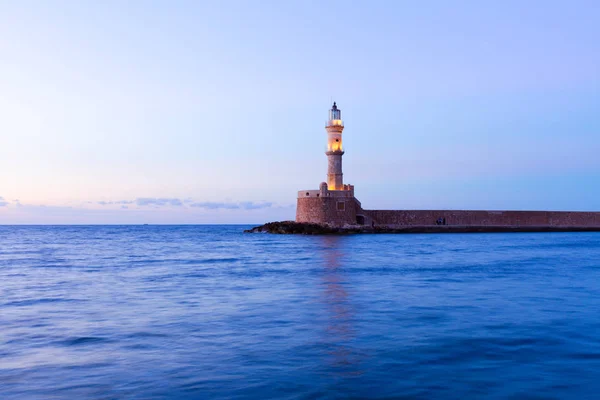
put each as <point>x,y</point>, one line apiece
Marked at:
<point>335,146</point>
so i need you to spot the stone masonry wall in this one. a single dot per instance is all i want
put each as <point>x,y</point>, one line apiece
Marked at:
<point>321,207</point>
<point>483,218</point>
<point>324,210</point>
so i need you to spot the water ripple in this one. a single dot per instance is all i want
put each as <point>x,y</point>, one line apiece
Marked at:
<point>186,312</point>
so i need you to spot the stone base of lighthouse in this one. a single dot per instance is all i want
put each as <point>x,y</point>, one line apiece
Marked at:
<point>336,208</point>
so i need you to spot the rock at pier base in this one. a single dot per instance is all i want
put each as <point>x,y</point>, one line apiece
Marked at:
<point>291,227</point>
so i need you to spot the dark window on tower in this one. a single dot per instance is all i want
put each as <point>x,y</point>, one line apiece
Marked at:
<point>341,206</point>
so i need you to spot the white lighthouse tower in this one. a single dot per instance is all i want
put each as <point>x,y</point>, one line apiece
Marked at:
<point>335,151</point>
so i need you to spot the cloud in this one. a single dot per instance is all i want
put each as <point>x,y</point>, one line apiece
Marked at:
<point>150,201</point>
<point>2,202</point>
<point>106,203</point>
<point>174,202</point>
<point>250,205</point>
<point>215,205</point>
<point>244,205</point>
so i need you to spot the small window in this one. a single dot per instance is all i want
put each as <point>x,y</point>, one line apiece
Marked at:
<point>317,194</point>
<point>341,206</point>
<point>308,194</point>
<point>337,140</point>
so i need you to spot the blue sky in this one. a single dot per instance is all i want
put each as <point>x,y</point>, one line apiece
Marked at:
<point>213,112</point>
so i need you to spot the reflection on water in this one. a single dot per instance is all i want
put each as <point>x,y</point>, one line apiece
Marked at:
<point>340,331</point>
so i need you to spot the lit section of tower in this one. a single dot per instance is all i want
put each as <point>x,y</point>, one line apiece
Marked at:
<point>335,151</point>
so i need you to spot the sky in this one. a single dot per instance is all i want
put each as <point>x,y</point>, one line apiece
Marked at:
<point>214,111</point>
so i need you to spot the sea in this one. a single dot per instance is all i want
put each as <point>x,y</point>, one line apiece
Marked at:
<point>210,312</point>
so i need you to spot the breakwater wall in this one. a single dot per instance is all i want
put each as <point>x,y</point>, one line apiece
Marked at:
<point>341,208</point>
<point>559,219</point>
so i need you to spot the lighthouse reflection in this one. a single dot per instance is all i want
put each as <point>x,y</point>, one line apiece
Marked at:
<point>339,330</point>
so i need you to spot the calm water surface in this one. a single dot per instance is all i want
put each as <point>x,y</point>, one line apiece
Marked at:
<point>199,312</point>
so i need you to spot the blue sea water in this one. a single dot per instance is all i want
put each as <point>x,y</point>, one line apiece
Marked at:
<point>202,312</point>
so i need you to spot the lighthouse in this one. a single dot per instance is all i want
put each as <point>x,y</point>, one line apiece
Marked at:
<point>334,205</point>
<point>335,150</point>
<point>334,202</point>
